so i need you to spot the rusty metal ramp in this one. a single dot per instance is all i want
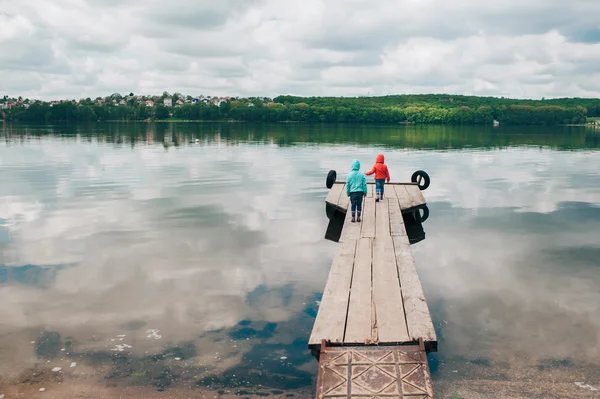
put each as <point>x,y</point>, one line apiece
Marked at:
<point>369,372</point>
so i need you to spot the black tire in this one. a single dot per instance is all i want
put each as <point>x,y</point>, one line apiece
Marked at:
<point>331,176</point>
<point>424,216</point>
<point>425,181</point>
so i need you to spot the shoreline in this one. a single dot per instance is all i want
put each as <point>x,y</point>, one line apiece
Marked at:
<point>402,123</point>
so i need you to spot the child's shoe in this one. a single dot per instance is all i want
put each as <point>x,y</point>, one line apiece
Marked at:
<point>358,217</point>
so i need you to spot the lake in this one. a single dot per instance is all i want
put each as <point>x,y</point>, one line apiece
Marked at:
<point>144,263</point>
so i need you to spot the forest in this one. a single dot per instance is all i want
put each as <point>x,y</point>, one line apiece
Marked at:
<point>414,109</point>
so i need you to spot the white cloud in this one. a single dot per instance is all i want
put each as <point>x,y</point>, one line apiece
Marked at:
<point>79,48</point>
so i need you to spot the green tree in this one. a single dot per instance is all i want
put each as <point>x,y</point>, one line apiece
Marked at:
<point>161,112</point>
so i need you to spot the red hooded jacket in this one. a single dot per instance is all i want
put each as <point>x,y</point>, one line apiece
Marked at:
<point>380,169</point>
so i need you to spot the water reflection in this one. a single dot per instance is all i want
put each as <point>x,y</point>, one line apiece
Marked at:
<point>40,276</point>
<point>425,137</point>
<point>164,264</point>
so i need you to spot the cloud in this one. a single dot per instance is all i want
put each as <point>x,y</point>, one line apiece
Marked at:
<point>80,48</point>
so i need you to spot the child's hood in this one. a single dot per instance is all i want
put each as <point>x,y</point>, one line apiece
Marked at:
<point>356,164</point>
<point>379,158</point>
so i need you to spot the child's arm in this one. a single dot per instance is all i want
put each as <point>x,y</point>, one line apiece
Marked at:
<point>387,172</point>
<point>369,173</point>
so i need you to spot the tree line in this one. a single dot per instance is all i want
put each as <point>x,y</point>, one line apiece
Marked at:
<point>417,109</point>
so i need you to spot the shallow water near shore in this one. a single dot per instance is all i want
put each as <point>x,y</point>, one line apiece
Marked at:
<point>188,260</point>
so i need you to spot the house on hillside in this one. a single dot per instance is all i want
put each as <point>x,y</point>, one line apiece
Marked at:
<point>168,102</point>
<point>149,103</point>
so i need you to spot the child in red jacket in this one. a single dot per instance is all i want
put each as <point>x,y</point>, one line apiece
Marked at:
<point>381,174</point>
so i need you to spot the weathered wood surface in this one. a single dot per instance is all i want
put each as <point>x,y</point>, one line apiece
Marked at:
<point>344,200</point>
<point>376,298</point>
<point>351,231</point>
<point>397,227</point>
<point>333,196</point>
<point>331,319</point>
<point>416,310</point>
<point>414,198</point>
<point>403,197</point>
<point>382,219</point>
<point>368,223</point>
<point>389,308</point>
<point>358,326</point>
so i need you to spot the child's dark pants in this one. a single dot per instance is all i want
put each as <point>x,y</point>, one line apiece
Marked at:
<point>379,183</point>
<point>356,199</point>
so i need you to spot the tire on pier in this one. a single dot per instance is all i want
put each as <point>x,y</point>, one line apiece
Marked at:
<point>421,218</point>
<point>425,180</point>
<point>331,176</point>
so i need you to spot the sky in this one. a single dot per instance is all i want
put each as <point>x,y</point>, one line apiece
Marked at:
<point>88,48</point>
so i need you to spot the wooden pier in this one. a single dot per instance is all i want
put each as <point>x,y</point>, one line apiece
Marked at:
<point>373,328</point>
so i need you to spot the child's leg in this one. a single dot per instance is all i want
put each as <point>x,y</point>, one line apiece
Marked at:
<point>379,188</point>
<point>382,188</point>
<point>353,202</point>
<point>359,207</point>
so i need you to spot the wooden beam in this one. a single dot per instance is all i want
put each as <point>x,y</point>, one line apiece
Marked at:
<point>358,324</point>
<point>333,196</point>
<point>416,196</point>
<point>331,318</point>
<point>368,224</point>
<point>389,310</point>
<point>417,313</point>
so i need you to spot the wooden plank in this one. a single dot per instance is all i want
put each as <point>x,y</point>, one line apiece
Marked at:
<point>344,200</point>
<point>358,324</point>
<point>390,192</point>
<point>389,309</point>
<point>416,196</point>
<point>370,190</point>
<point>351,231</point>
<point>403,197</point>
<point>395,213</point>
<point>382,219</point>
<point>416,310</point>
<point>333,196</point>
<point>368,223</point>
<point>331,318</point>
<point>397,227</point>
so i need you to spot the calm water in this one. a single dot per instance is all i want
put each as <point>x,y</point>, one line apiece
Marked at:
<point>156,262</point>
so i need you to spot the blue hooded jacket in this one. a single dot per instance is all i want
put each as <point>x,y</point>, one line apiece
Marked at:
<point>356,180</point>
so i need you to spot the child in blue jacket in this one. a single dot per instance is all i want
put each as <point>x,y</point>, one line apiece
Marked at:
<point>356,188</point>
